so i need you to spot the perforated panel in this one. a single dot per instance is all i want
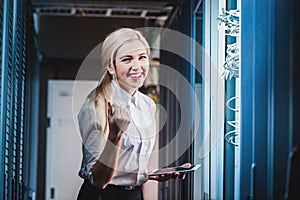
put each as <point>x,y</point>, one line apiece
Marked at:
<point>13,44</point>
<point>1,33</point>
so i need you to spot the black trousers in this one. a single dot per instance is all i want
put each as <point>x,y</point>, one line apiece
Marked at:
<point>111,192</point>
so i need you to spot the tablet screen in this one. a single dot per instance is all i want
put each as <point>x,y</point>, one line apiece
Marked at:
<point>174,169</point>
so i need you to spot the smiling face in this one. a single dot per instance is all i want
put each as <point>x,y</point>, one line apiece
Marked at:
<point>131,65</point>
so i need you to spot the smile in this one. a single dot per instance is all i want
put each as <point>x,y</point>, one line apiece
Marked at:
<point>136,76</point>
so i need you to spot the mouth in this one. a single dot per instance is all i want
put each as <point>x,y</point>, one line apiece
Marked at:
<point>136,76</point>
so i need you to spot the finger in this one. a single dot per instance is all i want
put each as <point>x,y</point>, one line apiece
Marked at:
<point>111,109</point>
<point>162,175</point>
<point>186,165</point>
<point>121,118</point>
<point>124,115</point>
<point>182,176</point>
<point>165,176</point>
<point>177,175</point>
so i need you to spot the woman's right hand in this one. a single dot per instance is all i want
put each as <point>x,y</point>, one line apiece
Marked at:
<point>118,120</point>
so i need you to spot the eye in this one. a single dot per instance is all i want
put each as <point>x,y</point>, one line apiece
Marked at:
<point>143,57</point>
<point>126,60</point>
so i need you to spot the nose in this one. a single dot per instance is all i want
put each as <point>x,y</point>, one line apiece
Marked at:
<point>136,65</point>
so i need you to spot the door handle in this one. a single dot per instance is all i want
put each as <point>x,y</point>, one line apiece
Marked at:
<point>252,181</point>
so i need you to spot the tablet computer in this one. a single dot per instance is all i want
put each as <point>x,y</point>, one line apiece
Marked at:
<point>174,169</point>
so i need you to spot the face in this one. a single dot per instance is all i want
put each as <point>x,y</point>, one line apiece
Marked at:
<point>131,65</point>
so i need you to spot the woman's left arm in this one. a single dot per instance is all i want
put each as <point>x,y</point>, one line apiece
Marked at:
<point>170,175</point>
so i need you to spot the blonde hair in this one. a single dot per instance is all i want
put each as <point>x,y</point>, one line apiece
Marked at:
<point>102,94</point>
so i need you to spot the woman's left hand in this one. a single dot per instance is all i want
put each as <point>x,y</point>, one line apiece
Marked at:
<point>168,176</point>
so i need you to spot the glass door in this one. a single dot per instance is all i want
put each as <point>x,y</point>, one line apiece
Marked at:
<point>216,146</point>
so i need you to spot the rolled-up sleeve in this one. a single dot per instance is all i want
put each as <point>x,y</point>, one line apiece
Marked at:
<point>93,139</point>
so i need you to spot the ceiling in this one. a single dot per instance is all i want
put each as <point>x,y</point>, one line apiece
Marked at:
<point>126,3</point>
<point>71,29</point>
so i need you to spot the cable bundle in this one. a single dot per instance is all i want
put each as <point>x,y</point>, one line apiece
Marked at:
<point>229,24</point>
<point>230,136</point>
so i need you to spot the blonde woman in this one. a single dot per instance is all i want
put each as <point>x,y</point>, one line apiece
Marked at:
<point>117,123</point>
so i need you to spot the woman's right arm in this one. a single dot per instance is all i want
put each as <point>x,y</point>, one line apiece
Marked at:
<point>104,168</point>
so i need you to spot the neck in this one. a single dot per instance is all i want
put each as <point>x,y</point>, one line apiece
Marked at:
<point>130,91</point>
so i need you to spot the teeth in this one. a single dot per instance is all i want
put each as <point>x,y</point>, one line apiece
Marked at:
<point>136,76</point>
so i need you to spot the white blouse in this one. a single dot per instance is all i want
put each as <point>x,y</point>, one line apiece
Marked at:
<point>136,144</point>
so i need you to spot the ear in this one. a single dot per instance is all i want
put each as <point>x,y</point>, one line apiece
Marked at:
<point>110,69</point>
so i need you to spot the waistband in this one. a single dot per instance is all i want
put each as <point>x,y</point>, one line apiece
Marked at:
<point>124,187</point>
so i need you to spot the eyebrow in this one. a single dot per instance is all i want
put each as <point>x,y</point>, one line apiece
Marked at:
<point>141,54</point>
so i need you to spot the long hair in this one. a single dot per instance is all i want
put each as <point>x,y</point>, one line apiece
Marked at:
<point>103,93</point>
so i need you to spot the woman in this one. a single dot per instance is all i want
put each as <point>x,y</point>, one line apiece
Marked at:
<point>117,123</point>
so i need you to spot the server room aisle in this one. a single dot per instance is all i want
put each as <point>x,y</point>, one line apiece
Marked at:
<point>224,76</point>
